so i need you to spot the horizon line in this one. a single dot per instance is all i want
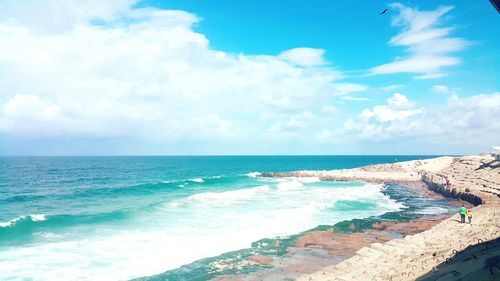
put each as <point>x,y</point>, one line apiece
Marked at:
<point>224,155</point>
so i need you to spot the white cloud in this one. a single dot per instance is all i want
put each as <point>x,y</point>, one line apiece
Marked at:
<point>429,47</point>
<point>325,136</point>
<point>30,107</point>
<point>145,74</point>
<point>61,16</point>
<point>103,69</point>
<point>398,107</point>
<point>470,120</point>
<point>398,100</point>
<point>300,121</point>
<point>351,98</point>
<point>440,89</point>
<point>329,109</point>
<point>304,56</point>
<point>345,89</point>
<point>290,127</point>
<point>392,87</point>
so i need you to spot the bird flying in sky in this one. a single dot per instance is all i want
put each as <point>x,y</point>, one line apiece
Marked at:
<point>384,11</point>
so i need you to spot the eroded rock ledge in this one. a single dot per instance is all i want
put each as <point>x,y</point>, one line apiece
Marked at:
<point>475,179</point>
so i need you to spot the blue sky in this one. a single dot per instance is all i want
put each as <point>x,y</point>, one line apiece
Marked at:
<point>340,27</point>
<point>352,33</point>
<point>248,77</point>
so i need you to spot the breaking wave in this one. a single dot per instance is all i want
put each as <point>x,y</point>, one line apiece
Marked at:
<point>21,219</point>
<point>253,174</point>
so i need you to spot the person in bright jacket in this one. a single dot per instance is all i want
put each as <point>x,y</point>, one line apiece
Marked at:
<point>463,212</point>
<point>469,215</point>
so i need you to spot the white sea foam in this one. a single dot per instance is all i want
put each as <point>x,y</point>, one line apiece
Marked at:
<point>253,174</point>
<point>306,179</point>
<point>38,217</point>
<point>7,223</point>
<point>34,217</point>
<point>289,185</point>
<point>432,211</point>
<point>220,197</point>
<point>49,235</point>
<point>201,225</point>
<point>198,180</point>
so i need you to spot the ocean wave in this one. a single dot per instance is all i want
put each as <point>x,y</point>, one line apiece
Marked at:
<point>206,221</point>
<point>22,198</point>
<point>207,179</point>
<point>198,180</point>
<point>368,197</point>
<point>305,179</point>
<point>78,193</point>
<point>195,180</point>
<point>321,197</point>
<point>33,218</point>
<point>49,235</point>
<point>355,205</point>
<point>134,190</point>
<point>169,181</point>
<point>218,197</point>
<point>29,224</point>
<point>253,174</point>
<point>131,190</point>
<point>289,185</point>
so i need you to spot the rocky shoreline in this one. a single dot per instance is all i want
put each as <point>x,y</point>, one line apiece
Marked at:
<point>431,253</point>
<point>325,246</point>
<point>317,249</point>
<point>423,244</point>
<point>452,192</point>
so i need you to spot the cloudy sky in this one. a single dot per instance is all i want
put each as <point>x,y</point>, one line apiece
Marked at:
<point>128,77</point>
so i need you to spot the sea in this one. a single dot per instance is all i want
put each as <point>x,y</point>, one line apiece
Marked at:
<point>176,217</point>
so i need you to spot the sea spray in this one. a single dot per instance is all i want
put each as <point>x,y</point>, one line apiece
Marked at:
<point>237,262</point>
<point>201,225</point>
<point>111,218</point>
<point>32,218</point>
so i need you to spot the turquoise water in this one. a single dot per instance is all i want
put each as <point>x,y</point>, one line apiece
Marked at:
<point>117,218</point>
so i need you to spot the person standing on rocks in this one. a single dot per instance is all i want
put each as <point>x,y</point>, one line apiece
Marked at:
<point>463,212</point>
<point>469,215</point>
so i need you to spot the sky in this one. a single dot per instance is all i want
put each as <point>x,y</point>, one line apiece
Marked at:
<point>199,77</point>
